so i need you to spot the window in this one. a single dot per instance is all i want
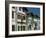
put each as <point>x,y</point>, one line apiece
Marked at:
<point>13,27</point>
<point>29,27</point>
<point>20,8</point>
<point>23,17</point>
<point>13,7</point>
<point>19,17</point>
<point>12,14</point>
<point>21,28</point>
<point>13,11</point>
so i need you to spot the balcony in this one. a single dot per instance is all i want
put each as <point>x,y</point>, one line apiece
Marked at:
<point>19,20</point>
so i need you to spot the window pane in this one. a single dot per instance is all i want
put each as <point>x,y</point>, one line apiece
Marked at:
<point>13,7</point>
<point>20,8</point>
<point>12,14</point>
<point>23,17</point>
<point>18,28</point>
<point>29,28</point>
<point>13,27</point>
<point>23,28</point>
<point>19,17</point>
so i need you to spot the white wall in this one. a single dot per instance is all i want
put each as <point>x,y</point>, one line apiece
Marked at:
<point>2,20</point>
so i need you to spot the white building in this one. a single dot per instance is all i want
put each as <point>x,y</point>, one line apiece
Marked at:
<point>21,21</point>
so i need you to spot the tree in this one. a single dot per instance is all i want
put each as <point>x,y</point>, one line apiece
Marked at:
<point>25,9</point>
<point>32,15</point>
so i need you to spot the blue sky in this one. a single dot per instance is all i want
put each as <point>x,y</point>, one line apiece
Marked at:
<point>35,11</point>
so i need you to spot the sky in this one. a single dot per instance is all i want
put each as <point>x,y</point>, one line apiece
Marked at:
<point>35,11</point>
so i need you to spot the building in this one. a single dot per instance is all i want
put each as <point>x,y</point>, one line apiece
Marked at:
<point>23,21</point>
